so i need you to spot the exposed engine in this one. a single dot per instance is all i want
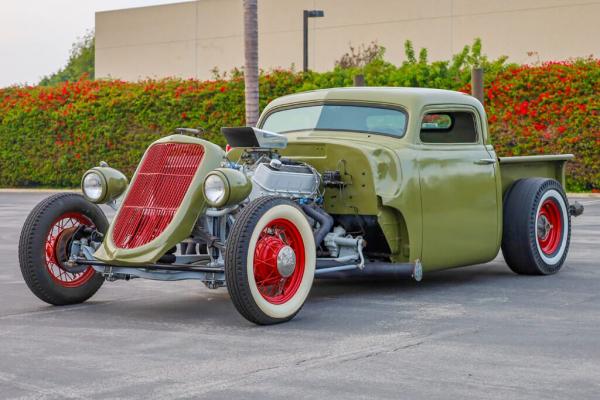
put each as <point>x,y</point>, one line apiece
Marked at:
<point>299,181</point>
<point>273,175</point>
<point>283,178</point>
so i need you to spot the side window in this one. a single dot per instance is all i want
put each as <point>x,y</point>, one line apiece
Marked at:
<point>449,127</point>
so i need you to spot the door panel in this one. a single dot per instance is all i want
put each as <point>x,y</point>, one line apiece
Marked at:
<point>458,192</point>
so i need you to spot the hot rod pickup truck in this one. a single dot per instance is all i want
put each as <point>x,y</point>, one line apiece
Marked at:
<point>352,182</point>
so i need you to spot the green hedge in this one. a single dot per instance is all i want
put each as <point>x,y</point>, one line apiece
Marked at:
<point>50,135</point>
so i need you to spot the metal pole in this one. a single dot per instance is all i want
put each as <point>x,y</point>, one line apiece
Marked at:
<point>359,80</point>
<point>477,83</point>
<point>305,43</point>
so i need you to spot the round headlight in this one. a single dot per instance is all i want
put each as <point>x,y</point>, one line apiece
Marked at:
<point>214,190</point>
<point>93,186</point>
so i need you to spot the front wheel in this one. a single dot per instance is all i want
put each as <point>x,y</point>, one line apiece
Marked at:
<point>44,247</point>
<point>537,227</point>
<point>270,261</point>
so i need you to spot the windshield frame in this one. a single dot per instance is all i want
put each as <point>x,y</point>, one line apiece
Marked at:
<point>385,106</point>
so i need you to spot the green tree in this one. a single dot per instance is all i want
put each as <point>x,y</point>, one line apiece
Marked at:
<point>81,62</point>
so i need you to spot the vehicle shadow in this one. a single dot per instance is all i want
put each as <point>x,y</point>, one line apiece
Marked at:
<point>432,281</point>
<point>183,305</point>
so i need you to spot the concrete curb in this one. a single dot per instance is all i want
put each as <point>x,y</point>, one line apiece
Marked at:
<point>589,195</point>
<point>32,190</point>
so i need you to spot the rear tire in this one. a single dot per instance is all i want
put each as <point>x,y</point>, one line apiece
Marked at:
<point>270,261</point>
<point>43,247</point>
<point>536,227</point>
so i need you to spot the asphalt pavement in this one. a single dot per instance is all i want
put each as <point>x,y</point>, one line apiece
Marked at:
<point>478,332</point>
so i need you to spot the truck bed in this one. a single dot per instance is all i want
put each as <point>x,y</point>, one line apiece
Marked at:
<point>546,166</point>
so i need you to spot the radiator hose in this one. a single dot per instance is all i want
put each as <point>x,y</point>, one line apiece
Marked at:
<point>325,222</point>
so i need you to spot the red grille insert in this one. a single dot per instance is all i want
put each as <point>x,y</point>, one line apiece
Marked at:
<point>156,193</point>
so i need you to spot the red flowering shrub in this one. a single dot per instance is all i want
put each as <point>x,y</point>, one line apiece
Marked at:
<point>50,135</point>
<point>549,109</point>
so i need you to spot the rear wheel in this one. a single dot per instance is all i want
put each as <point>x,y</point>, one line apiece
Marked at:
<point>270,261</point>
<point>537,227</point>
<point>44,247</point>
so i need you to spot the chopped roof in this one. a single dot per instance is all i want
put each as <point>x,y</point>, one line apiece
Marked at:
<point>410,98</point>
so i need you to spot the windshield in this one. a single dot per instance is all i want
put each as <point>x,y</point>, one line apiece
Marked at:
<point>386,121</point>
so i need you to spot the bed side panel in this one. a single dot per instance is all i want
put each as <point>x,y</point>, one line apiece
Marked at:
<point>550,166</point>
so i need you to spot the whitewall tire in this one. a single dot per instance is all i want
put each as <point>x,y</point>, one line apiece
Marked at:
<point>537,226</point>
<point>270,260</point>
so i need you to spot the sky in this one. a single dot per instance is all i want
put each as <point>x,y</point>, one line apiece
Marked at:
<point>36,35</point>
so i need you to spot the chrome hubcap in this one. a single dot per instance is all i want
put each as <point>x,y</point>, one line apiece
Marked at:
<point>544,227</point>
<point>286,261</point>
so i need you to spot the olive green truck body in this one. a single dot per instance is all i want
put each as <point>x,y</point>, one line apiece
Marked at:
<point>435,202</point>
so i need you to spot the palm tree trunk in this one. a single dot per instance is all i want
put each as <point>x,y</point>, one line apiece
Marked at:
<point>251,60</point>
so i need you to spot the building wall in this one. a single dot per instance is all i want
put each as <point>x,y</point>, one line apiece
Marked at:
<point>190,39</point>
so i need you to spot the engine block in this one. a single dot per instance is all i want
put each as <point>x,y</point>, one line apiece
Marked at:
<point>276,178</point>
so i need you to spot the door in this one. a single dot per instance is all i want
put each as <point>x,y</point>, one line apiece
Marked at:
<point>458,191</point>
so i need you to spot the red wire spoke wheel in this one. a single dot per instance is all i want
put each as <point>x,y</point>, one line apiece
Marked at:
<point>537,226</point>
<point>56,252</point>
<point>45,245</point>
<point>279,261</point>
<point>270,260</point>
